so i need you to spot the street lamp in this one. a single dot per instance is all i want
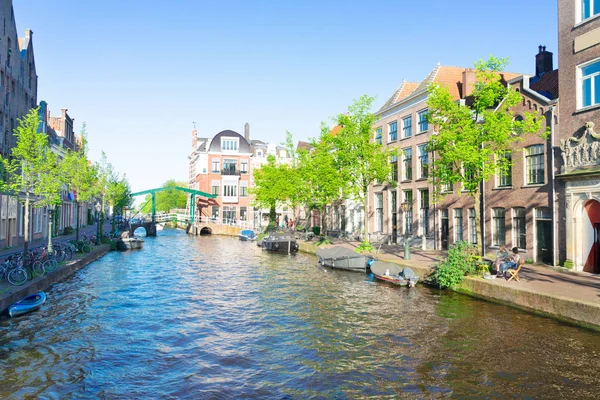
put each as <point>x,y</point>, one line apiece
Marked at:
<point>406,207</point>
<point>98,208</point>
<point>50,209</point>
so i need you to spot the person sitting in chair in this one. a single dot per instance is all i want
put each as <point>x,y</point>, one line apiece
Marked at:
<point>501,256</point>
<point>512,262</point>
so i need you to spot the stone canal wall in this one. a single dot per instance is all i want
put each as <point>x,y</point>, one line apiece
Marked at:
<point>570,310</point>
<point>12,294</point>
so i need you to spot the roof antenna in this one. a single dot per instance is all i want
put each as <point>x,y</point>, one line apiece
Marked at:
<point>193,122</point>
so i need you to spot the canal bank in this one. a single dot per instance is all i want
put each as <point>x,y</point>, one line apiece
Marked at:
<point>9,294</point>
<point>569,297</point>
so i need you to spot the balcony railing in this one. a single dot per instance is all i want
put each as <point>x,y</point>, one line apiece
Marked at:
<point>230,171</point>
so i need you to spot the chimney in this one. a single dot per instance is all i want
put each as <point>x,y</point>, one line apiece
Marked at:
<point>543,61</point>
<point>28,33</point>
<point>247,132</point>
<point>468,82</point>
<point>194,137</point>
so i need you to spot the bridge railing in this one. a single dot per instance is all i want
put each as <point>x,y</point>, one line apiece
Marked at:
<point>185,218</point>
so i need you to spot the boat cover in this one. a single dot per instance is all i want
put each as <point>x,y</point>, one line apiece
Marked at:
<point>337,252</point>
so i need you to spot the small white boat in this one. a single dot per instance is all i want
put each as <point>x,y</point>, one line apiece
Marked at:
<point>130,244</point>
<point>29,303</point>
<point>160,227</point>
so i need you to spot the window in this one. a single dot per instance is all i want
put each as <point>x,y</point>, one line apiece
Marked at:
<point>423,125</point>
<point>216,166</point>
<point>504,176</point>
<point>423,161</point>
<point>407,164</point>
<point>229,190</point>
<point>229,167</point>
<point>215,190</point>
<point>589,83</point>
<point>407,127</point>
<point>244,167</point>
<point>519,235</point>
<point>589,8</point>
<point>499,226</point>
<point>215,212</point>
<point>424,211</point>
<point>243,213</point>
<point>447,188</point>
<point>534,156</point>
<point>379,212</point>
<point>243,191</point>
<point>393,131</point>
<point>472,226</point>
<point>408,216</point>
<point>228,214</point>
<point>229,144</point>
<point>518,126</point>
<point>394,164</point>
<point>378,136</point>
<point>458,224</point>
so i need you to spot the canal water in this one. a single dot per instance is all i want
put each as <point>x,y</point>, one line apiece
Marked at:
<point>213,317</point>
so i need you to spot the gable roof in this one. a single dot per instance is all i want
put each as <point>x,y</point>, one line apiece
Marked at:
<point>304,146</point>
<point>450,77</point>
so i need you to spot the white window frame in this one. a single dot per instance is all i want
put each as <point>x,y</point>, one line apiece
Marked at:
<point>579,11</point>
<point>455,214</point>
<point>232,140</point>
<point>390,131</point>
<point>419,113</point>
<point>408,117</point>
<point>579,85</point>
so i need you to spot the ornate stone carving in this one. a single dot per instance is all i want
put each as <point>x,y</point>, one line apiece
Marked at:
<point>582,152</point>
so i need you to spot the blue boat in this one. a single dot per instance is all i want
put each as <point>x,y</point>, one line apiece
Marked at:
<point>27,304</point>
<point>247,234</point>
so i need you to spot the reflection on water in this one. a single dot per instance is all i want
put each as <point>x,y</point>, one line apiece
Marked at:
<point>213,317</point>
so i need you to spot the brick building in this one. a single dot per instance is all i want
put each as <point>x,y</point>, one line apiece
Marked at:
<point>18,94</point>
<point>221,166</point>
<point>513,205</point>
<point>579,161</point>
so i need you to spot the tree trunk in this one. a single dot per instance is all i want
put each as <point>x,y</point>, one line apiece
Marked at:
<point>77,221</point>
<point>477,206</point>
<point>365,201</point>
<point>273,216</point>
<point>26,228</point>
<point>324,220</point>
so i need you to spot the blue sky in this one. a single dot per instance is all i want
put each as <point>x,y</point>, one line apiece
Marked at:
<point>140,72</point>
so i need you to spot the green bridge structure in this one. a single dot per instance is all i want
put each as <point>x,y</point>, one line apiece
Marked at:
<point>150,226</point>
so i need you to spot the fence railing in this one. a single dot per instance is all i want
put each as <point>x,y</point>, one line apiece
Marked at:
<point>185,218</point>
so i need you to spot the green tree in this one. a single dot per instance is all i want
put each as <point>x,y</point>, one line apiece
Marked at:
<point>472,140</point>
<point>321,181</point>
<point>80,175</point>
<point>273,185</point>
<point>168,199</point>
<point>118,195</point>
<point>360,160</point>
<point>105,172</point>
<point>32,170</point>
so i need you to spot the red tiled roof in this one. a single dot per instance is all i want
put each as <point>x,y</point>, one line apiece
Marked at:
<point>304,145</point>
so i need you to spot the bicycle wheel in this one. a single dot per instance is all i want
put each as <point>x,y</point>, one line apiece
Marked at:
<point>2,272</point>
<point>86,248</point>
<point>38,268</point>
<point>50,265</point>
<point>17,276</point>
<point>60,255</point>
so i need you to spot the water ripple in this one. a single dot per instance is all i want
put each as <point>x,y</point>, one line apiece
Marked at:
<point>215,318</point>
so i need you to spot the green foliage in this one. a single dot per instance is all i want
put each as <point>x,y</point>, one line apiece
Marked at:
<point>472,140</point>
<point>323,241</point>
<point>67,230</point>
<point>271,227</point>
<point>118,193</point>
<point>360,160</point>
<point>274,185</point>
<point>31,170</point>
<point>168,199</point>
<point>364,247</point>
<point>316,230</point>
<point>568,264</point>
<point>529,261</point>
<point>460,262</point>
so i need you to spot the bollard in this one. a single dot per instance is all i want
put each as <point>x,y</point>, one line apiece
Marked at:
<point>424,243</point>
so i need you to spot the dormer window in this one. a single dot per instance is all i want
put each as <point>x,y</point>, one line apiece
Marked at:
<point>229,144</point>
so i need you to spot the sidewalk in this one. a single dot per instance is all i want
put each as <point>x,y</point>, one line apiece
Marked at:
<point>89,230</point>
<point>566,295</point>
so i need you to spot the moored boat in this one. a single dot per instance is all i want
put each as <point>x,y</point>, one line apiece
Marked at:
<point>246,235</point>
<point>130,244</point>
<point>283,242</point>
<point>160,227</point>
<point>393,273</point>
<point>342,258</point>
<point>27,304</point>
